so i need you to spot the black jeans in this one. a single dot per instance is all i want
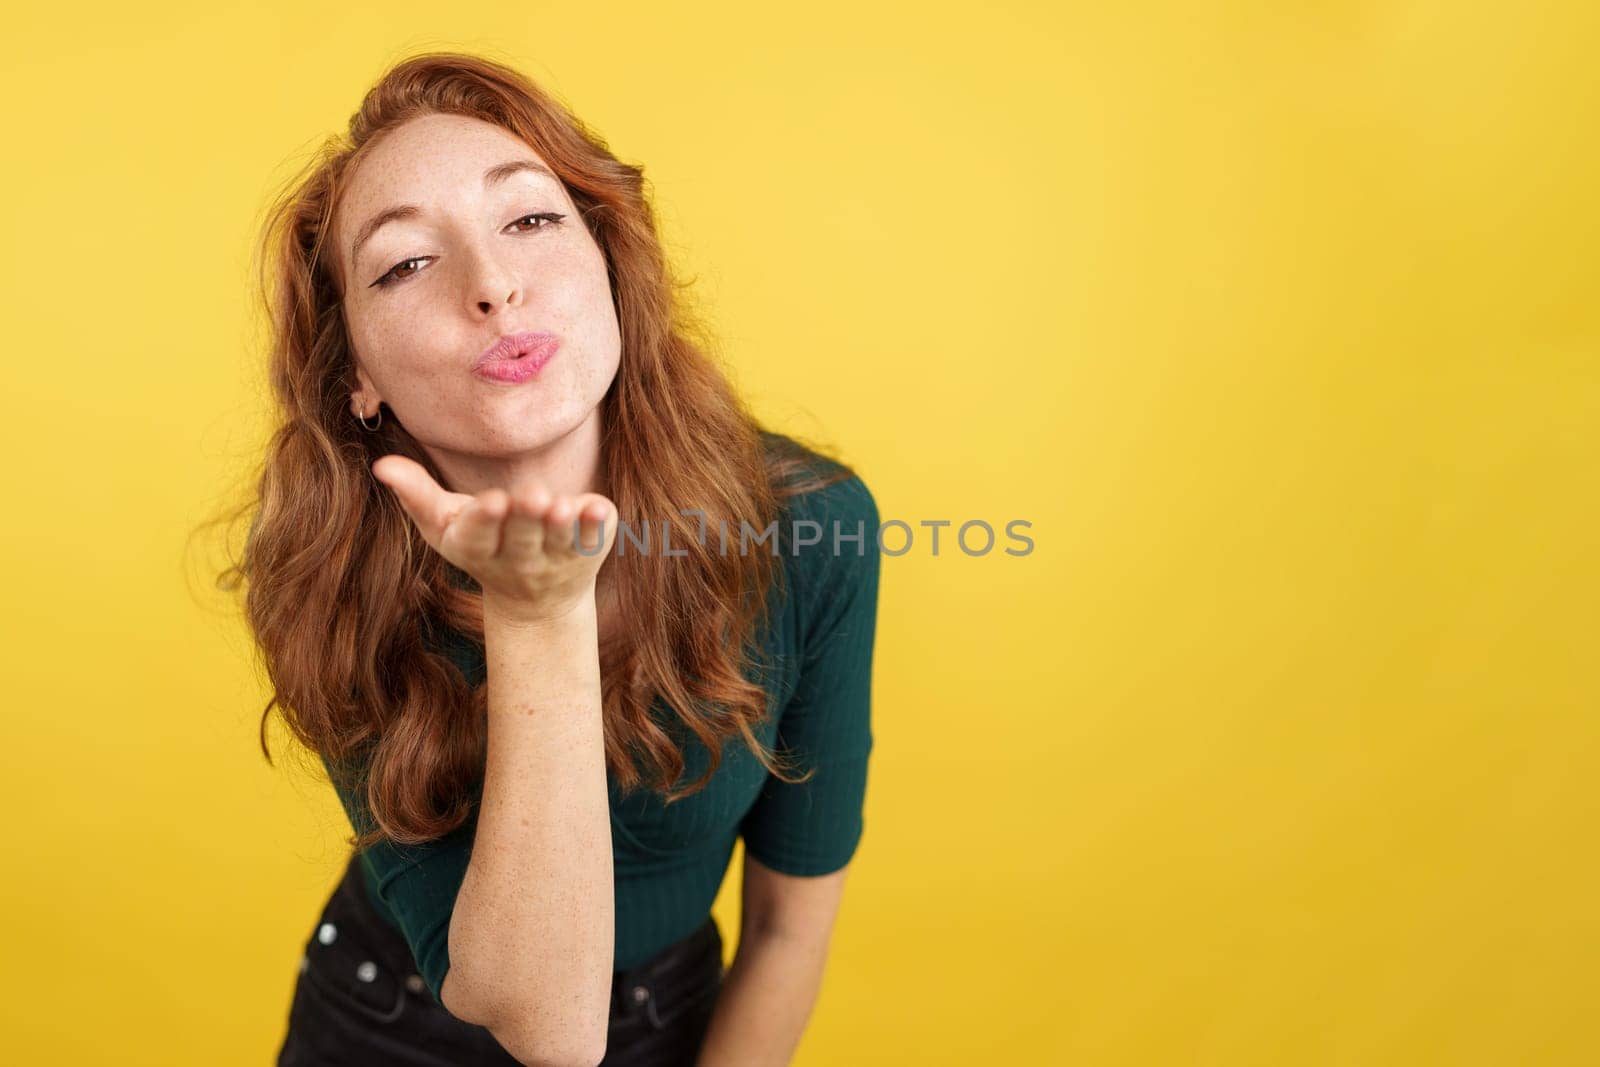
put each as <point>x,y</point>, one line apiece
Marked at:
<point>359,1000</point>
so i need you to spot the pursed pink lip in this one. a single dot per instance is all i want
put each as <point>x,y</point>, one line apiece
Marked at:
<point>517,357</point>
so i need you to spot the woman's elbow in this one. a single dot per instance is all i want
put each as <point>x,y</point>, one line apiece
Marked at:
<point>537,1051</point>
<point>542,1047</point>
<point>567,1043</point>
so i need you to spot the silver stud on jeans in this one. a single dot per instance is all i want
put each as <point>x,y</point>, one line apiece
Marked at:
<point>640,994</point>
<point>326,933</point>
<point>367,972</point>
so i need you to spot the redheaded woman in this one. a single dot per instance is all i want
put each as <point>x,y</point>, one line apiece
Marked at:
<point>562,621</point>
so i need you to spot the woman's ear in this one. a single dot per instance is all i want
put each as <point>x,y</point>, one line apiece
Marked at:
<point>365,398</point>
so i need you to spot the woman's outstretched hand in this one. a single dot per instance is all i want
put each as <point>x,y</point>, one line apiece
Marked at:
<point>520,546</point>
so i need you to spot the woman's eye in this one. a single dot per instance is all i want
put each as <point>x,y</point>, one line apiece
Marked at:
<point>391,277</point>
<point>394,275</point>
<point>551,217</point>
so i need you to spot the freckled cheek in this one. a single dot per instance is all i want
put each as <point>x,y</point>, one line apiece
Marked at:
<point>572,276</point>
<point>401,358</point>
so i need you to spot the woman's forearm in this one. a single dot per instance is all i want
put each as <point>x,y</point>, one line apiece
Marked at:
<point>766,1000</point>
<point>531,936</point>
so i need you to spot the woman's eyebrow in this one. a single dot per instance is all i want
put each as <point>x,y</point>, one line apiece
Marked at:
<point>491,177</point>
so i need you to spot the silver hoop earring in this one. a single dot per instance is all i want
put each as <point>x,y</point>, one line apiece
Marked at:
<point>363,420</point>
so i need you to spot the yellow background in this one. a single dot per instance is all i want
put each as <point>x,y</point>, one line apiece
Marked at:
<point>1277,321</point>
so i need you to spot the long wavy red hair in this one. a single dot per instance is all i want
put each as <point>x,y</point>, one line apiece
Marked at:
<point>340,587</point>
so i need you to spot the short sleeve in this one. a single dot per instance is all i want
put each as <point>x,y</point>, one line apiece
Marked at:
<point>813,828</point>
<point>416,883</point>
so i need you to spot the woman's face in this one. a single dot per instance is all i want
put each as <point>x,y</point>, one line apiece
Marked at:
<point>427,293</point>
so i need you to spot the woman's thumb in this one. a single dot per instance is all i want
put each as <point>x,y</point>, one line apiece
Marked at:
<point>415,487</point>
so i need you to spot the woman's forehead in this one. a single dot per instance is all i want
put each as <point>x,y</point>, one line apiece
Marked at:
<point>426,157</point>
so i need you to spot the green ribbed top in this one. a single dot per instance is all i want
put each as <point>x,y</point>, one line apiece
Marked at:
<point>670,860</point>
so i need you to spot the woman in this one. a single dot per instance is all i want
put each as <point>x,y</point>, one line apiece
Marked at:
<point>520,565</point>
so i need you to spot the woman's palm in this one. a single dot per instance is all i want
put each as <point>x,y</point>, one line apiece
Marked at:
<point>536,552</point>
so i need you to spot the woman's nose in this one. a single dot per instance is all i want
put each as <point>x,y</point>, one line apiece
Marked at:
<point>490,282</point>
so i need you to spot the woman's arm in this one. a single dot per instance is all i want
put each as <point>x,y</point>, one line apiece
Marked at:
<point>531,937</point>
<point>531,928</point>
<point>767,997</point>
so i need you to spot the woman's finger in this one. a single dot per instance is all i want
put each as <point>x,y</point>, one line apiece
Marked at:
<point>595,518</point>
<point>558,524</point>
<point>475,533</point>
<point>430,506</point>
<point>524,528</point>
